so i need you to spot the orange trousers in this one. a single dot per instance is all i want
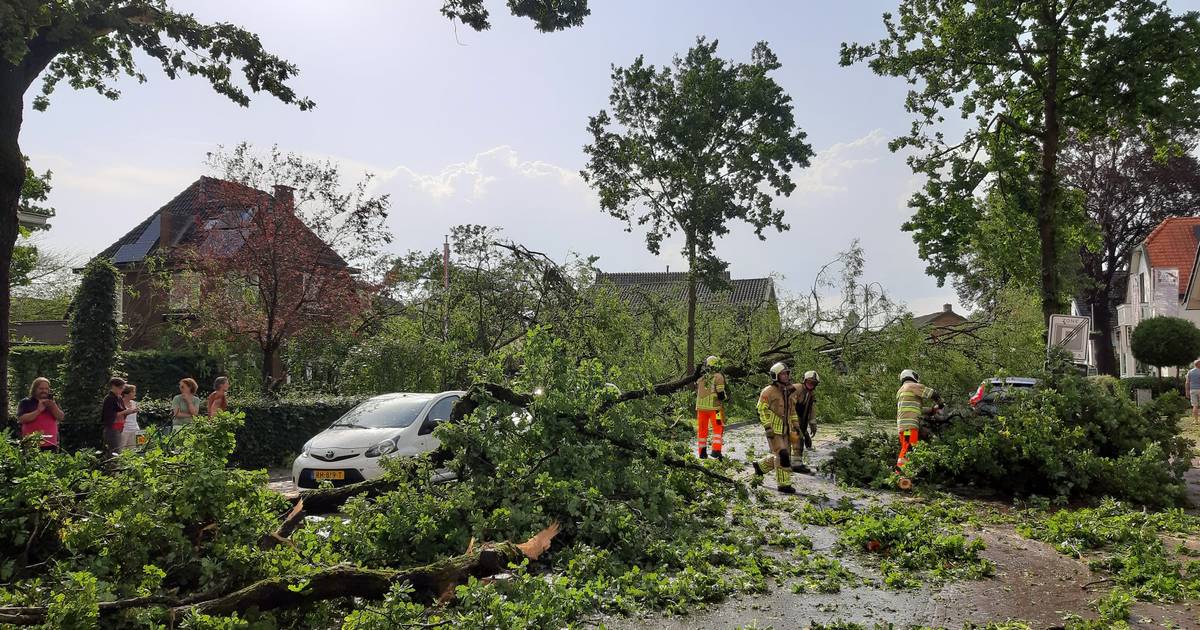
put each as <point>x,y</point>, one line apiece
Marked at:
<point>908,439</point>
<point>705,417</point>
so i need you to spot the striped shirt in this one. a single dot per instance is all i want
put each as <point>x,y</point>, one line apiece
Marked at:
<point>910,399</point>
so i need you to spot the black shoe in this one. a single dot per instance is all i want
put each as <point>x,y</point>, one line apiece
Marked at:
<point>757,469</point>
<point>801,468</point>
<point>788,489</point>
<point>718,455</point>
<point>704,453</point>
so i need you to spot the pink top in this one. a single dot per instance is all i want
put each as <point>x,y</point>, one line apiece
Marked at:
<point>44,423</point>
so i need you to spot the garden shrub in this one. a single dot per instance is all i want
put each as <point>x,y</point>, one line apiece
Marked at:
<point>1165,342</point>
<point>1073,437</point>
<point>26,363</point>
<point>91,354</point>
<point>276,430</point>
<point>157,372</point>
<point>1157,385</point>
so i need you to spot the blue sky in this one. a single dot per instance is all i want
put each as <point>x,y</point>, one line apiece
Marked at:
<point>466,127</point>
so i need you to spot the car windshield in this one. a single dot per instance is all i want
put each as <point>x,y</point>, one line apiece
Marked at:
<point>385,413</point>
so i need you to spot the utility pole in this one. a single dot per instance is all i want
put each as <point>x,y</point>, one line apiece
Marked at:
<point>446,290</point>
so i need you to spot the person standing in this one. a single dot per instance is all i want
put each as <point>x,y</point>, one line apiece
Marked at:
<point>218,400</point>
<point>113,414</point>
<point>710,402</point>
<point>184,406</point>
<point>40,414</point>
<point>130,432</point>
<point>1192,383</point>
<point>911,401</point>
<point>806,423</point>
<point>777,412</point>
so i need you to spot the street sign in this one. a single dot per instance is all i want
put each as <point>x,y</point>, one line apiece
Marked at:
<point>1070,332</point>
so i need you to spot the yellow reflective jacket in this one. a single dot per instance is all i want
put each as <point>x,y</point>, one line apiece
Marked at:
<point>910,402</point>
<point>707,389</point>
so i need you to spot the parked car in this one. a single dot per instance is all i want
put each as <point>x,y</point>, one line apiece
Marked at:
<point>391,425</point>
<point>995,392</point>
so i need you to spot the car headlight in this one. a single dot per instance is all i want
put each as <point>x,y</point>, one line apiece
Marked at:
<point>304,449</point>
<point>383,448</point>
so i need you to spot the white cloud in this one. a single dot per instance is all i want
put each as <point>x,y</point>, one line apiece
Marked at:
<point>831,170</point>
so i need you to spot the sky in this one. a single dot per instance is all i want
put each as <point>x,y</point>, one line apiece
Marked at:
<point>489,128</point>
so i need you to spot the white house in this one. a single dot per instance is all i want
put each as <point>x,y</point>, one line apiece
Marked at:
<point>1161,271</point>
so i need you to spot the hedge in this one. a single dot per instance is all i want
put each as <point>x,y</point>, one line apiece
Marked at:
<point>1157,386</point>
<point>155,372</point>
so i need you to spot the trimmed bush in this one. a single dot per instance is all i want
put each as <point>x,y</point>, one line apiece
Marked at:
<point>26,363</point>
<point>1165,342</point>
<point>157,373</point>
<point>92,355</point>
<point>1157,386</point>
<point>274,430</point>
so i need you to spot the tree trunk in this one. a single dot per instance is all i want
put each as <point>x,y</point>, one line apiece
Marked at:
<point>12,177</point>
<point>1048,179</point>
<point>691,317</point>
<point>268,366</point>
<point>1106,356</point>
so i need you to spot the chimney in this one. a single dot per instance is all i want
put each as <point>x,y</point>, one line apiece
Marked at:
<point>285,196</point>
<point>166,228</point>
<point>947,308</point>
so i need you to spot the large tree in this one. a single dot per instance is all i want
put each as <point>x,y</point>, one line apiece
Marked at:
<point>1026,75</point>
<point>693,147</point>
<point>271,267</point>
<point>90,44</point>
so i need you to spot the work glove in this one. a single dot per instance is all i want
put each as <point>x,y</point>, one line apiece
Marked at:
<point>812,429</point>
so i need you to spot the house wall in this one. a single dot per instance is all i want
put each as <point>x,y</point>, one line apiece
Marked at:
<point>1139,292</point>
<point>143,306</point>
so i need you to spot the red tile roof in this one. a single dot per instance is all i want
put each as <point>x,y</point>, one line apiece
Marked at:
<point>1173,245</point>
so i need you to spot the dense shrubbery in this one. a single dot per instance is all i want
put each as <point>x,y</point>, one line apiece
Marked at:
<point>1157,385</point>
<point>1073,437</point>
<point>1165,342</point>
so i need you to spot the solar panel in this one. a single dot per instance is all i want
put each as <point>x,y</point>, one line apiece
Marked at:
<point>137,250</point>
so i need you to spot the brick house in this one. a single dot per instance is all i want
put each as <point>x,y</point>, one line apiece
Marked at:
<point>154,290</point>
<point>749,295</point>
<point>941,322</point>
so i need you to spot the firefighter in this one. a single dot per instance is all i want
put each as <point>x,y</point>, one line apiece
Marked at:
<point>710,408</point>
<point>777,412</point>
<point>805,427</point>
<point>911,401</point>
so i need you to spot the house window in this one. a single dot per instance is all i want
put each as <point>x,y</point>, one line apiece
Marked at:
<point>1142,288</point>
<point>185,292</point>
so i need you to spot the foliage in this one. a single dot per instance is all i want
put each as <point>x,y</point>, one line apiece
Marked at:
<point>26,363</point>
<point>1165,342</point>
<point>1156,384</point>
<point>92,354</point>
<point>1129,187</point>
<point>866,460</point>
<point>169,518</point>
<point>1072,437</point>
<point>157,372</point>
<point>1025,77</point>
<point>277,266</point>
<point>276,430</point>
<point>692,148</point>
<point>1130,545</point>
<point>547,17</point>
<point>34,192</point>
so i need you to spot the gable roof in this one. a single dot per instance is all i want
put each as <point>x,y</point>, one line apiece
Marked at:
<point>1173,245</point>
<point>191,212</point>
<point>635,287</point>
<point>927,320</point>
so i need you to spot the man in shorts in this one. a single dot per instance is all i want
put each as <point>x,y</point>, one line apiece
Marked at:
<point>1192,383</point>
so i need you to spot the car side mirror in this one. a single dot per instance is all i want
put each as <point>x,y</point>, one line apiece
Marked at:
<point>429,425</point>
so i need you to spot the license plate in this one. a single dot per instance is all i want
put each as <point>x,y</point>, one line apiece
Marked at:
<point>333,475</point>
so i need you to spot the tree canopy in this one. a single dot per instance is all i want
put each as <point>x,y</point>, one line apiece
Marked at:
<point>1025,76</point>
<point>693,147</point>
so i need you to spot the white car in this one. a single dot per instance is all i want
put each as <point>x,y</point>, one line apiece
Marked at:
<point>391,425</point>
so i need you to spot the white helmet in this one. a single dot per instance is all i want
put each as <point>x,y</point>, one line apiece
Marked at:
<point>910,375</point>
<point>777,369</point>
<point>712,361</point>
<point>812,375</point>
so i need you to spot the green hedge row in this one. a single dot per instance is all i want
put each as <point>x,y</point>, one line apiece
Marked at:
<point>1158,386</point>
<point>156,372</point>
<point>273,434</point>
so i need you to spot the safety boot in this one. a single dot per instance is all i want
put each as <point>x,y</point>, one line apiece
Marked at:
<point>718,455</point>
<point>788,489</point>
<point>704,453</point>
